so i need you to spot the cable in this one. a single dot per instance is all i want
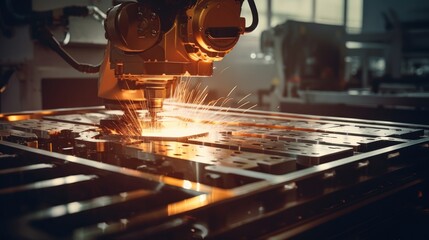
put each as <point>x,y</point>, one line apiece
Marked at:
<point>97,14</point>
<point>46,37</point>
<point>255,17</point>
<point>4,80</point>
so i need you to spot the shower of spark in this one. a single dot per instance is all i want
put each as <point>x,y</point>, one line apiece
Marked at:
<point>130,123</point>
<point>196,116</point>
<point>198,110</point>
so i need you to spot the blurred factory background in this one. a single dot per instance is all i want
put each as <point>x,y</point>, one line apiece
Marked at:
<point>218,173</point>
<point>350,58</point>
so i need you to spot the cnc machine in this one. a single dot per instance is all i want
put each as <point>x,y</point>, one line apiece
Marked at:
<point>143,167</point>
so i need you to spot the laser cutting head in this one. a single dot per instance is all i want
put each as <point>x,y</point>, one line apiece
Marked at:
<point>151,43</point>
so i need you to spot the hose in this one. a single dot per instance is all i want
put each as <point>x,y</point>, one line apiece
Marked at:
<point>255,17</point>
<point>46,37</point>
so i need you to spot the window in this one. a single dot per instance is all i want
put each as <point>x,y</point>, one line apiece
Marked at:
<point>320,11</point>
<point>300,10</point>
<point>354,15</point>
<point>329,11</point>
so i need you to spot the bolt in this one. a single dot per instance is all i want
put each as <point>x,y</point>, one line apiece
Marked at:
<point>139,15</point>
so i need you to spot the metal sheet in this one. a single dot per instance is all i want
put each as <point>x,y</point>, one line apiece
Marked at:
<point>252,165</point>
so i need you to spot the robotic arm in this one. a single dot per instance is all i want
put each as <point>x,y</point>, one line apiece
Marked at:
<point>151,43</point>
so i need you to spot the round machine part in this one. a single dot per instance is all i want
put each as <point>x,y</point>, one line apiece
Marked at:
<point>133,27</point>
<point>214,28</point>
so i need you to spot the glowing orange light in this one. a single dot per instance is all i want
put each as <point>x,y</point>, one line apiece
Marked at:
<point>13,118</point>
<point>180,122</point>
<point>188,204</point>
<point>46,112</point>
<point>176,130</point>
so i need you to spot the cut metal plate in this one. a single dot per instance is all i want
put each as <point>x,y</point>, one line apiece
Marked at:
<point>260,167</point>
<point>85,118</point>
<point>46,128</point>
<point>209,155</point>
<point>377,131</point>
<point>307,154</point>
<point>358,143</point>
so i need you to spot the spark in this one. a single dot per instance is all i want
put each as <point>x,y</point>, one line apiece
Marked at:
<point>244,104</point>
<point>250,108</point>
<point>225,69</point>
<point>196,116</point>
<point>232,90</point>
<point>242,99</point>
<point>199,109</point>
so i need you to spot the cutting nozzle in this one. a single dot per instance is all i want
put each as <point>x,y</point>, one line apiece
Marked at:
<point>153,117</point>
<point>155,95</point>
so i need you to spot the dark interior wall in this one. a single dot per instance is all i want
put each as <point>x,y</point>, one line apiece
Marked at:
<point>69,92</point>
<point>407,10</point>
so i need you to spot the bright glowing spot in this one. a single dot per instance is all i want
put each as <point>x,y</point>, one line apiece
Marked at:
<point>73,207</point>
<point>124,195</point>
<point>173,129</point>
<point>124,221</point>
<point>172,133</point>
<point>13,118</point>
<point>72,179</point>
<point>187,204</point>
<point>202,197</point>
<point>46,112</point>
<point>58,211</point>
<point>187,184</point>
<point>58,181</point>
<point>102,226</point>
